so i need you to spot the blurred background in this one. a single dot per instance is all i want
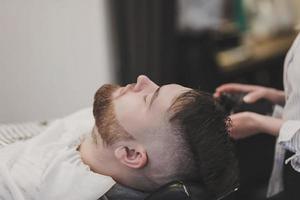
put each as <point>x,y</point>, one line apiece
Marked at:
<point>53,57</point>
<point>55,54</point>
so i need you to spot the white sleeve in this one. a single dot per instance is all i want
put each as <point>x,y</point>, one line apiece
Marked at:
<point>289,135</point>
<point>292,128</point>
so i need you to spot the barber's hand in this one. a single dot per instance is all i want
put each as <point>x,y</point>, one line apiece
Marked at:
<point>244,124</point>
<point>254,92</point>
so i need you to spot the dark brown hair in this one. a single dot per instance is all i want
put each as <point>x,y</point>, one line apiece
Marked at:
<point>204,127</point>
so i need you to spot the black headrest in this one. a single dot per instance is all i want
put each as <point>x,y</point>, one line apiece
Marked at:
<point>177,190</point>
<point>180,191</point>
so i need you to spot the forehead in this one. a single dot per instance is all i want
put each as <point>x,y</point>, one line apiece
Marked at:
<point>167,95</point>
<point>142,121</point>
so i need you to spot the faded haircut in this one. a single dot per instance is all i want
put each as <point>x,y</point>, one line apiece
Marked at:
<point>204,128</point>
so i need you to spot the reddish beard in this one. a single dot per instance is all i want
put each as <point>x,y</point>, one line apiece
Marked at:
<point>105,119</point>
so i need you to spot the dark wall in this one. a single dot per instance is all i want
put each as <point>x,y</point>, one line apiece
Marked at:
<point>145,35</point>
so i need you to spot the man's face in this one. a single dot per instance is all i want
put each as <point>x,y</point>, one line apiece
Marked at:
<point>141,108</point>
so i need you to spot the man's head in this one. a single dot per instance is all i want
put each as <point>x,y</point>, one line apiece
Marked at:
<point>152,135</point>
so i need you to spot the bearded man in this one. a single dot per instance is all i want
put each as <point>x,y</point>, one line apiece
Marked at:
<point>142,136</point>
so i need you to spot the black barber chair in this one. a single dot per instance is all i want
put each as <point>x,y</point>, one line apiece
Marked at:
<point>185,191</point>
<point>176,190</point>
<point>179,191</point>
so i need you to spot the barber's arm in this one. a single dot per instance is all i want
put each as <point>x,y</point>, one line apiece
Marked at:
<point>245,124</point>
<point>287,130</point>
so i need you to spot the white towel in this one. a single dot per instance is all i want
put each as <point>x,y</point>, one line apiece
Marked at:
<point>48,166</point>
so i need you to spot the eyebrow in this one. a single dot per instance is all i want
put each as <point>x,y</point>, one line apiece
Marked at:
<point>154,96</point>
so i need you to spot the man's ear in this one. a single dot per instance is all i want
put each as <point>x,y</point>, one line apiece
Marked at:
<point>133,155</point>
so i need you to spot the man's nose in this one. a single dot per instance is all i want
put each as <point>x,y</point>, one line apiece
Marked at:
<point>142,82</point>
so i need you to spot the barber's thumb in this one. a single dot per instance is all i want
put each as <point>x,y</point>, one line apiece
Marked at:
<point>216,95</point>
<point>251,97</point>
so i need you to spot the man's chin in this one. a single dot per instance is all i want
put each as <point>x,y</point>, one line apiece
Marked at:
<point>103,100</point>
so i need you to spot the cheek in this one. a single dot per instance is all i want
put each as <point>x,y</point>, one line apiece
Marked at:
<point>127,104</point>
<point>129,111</point>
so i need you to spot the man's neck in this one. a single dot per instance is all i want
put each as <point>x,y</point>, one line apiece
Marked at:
<point>95,156</point>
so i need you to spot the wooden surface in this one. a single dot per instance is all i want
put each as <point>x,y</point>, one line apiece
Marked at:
<point>252,52</point>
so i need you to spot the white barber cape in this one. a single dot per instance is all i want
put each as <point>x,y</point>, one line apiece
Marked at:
<point>49,167</point>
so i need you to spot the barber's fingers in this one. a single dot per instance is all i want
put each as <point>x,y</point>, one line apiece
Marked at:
<point>236,129</point>
<point>252,97</point>
<point>234,88</point>
<point>243,125</point>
